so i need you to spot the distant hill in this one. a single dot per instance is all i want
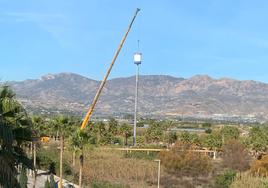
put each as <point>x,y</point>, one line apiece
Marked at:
<point>159,95</point>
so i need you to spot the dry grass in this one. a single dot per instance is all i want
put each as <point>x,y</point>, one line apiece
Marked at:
<point>248,181</point>
<point>112,166</point>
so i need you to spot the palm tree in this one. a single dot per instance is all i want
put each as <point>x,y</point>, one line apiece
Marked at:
<point>74,146</point>
<point>14,132</point>
<point>126,131</point>
<point>64,126</point>
<point>78,140</point>
<point>59,123</point>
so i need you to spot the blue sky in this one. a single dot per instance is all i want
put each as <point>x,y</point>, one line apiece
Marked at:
<point>221,38</point>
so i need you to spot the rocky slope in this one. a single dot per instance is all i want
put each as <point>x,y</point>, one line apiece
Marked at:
<point>158,95</point>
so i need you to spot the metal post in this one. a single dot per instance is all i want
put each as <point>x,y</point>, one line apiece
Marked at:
<point>34,161</point>
<point>136,106</point>
<point>61,160</point>
<point>158,175</point>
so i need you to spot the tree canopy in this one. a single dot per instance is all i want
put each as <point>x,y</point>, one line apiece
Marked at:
<point>15,129</point>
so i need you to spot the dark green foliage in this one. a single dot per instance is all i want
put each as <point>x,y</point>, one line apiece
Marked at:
<point>190,138</point>
<point>104,137</point>
<point>206,125</point>
<point>48,159</point>
<point>52,168</point>
<point>23,180</point>
<point>15,130</point>
<point>229,133</point>
<point>208,131</point>
<point>126,131</point>
<point>47,184</point>
<point>172,137</point>
<point>113,126</point>
<point>258,138</point>
<point>225,180</point>
<point>154,133</point>
<point>212,141</point>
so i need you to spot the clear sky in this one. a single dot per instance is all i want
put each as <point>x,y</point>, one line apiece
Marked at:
<point>221,38</point>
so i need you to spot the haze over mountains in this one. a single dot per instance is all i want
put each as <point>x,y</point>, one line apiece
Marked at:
<point>159,96</point>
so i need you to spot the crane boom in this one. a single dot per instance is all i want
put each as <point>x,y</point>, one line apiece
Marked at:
<point>95,100</point>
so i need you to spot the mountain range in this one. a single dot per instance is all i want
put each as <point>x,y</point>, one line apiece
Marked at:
<point>159,96</point>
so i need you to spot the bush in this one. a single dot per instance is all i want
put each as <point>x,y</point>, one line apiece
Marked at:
<point>208,131</point>
<point>47,185</point>
<point>140,140</point>
<point>260,167</point>
<point>206,125</point>
<point>172,137</point>
<point>235,156</point>
<point>48,159</point>
<point>183,161</point>
<point>225,180</point>
<point>23,178</point>
<point>67,169</point>
<point>117,140</point>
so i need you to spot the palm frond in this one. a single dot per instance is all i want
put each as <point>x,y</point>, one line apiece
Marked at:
<point>21,158</point>
<point>8,171</point>
<point>6,135</point>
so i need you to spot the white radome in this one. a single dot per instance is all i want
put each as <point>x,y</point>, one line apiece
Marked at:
<point>137,58</point>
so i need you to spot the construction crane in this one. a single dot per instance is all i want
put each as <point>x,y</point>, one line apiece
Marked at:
<point>95,100</point>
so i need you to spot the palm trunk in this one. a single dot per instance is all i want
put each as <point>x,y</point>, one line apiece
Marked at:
<point>61,160</point>
<point>74,156</point>
<point>81,168</point>
<point>126,137</point>
<point>31,154</point>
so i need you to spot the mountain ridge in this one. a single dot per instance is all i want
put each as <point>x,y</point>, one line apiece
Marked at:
<point>159,95</point>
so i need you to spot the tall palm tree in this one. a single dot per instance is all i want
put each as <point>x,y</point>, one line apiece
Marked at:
<point>63,125</point>
<point>78,141</point>
<point>126,131</point>
<point>14,131</point>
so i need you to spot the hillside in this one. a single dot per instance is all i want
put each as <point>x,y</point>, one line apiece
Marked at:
<point>159,95</point>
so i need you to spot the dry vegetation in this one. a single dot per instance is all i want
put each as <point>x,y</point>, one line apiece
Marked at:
<point>246,180</point>
<point>111,166</point>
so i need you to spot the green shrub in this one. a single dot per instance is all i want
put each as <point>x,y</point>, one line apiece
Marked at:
<point>140,140</point>
<point>67,169</point>
<point>117,140</point>
<point>48,159</point>
<point>23,178</point>
<point>225,180</point>
<point>47,185</point>
<point>208,131</point>
<point>171,137</point>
